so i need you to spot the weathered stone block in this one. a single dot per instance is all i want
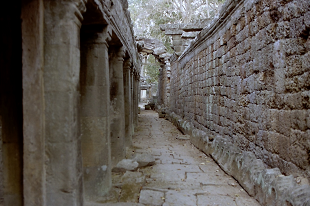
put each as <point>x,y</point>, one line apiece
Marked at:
<point>282,30</point>
<point>290,10</point>
<point>126,165</point>
<point>297,27</point>
<point>144,159</point>
<point>264,20</point>
<point>305,59</point>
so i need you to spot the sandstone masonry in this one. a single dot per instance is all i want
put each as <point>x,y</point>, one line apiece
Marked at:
<point>244,82</point>
<point>69,73</point>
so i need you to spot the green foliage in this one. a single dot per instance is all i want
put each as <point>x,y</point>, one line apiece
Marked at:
<point>148,15</point>
<point>152,70</point>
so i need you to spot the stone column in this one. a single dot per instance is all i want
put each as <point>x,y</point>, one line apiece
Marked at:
<point>33,103</point>
<point>162,85</point>
<point>95,105</point>
<point>64,177</point>
<point>167,82</point>
<point>117,106</point>
<point>136,98</point>
<point>128,97</point>
<point>132,79</point>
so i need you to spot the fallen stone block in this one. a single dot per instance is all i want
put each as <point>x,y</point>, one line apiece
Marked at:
<point>147,107</point>
<point>144,159</point>
<point>126,165</point>
<point>183,137</point>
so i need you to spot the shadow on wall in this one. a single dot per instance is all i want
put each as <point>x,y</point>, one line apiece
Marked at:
<point>11,113</point>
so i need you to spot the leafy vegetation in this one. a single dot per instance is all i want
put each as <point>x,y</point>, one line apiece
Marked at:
<point>148,15</point>
<point>152,70</point>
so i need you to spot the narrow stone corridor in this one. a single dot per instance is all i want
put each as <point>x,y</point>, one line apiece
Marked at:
<point>182,175</point>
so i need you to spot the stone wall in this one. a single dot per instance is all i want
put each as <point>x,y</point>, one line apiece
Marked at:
<point>69,73</point>
<point>246,78</point>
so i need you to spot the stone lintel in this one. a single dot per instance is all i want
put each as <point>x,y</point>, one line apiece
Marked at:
<point>165,27</point>
<point>173,32</point>
<point>183,27</point>
<point>193,27</point>
<point>190,35</point>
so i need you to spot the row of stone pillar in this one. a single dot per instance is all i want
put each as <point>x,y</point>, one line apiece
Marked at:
<point>108,92</point>
<point>79,107</point>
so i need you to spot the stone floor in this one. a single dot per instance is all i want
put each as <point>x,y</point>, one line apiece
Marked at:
<point>181,176</point>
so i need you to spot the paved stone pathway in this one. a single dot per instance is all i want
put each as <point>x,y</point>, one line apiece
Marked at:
<point>181,176</point>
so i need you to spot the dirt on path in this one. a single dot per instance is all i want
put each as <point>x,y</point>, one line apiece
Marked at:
<point>181,176</point>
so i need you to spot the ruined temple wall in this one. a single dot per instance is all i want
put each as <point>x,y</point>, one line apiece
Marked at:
<point>54,98</point>
<point>118,17</point>
<point>247,79</point>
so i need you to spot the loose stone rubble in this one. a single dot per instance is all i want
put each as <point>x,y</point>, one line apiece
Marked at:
<point>144,159</point>
<point>137,161</point>
<point>126,165</point>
